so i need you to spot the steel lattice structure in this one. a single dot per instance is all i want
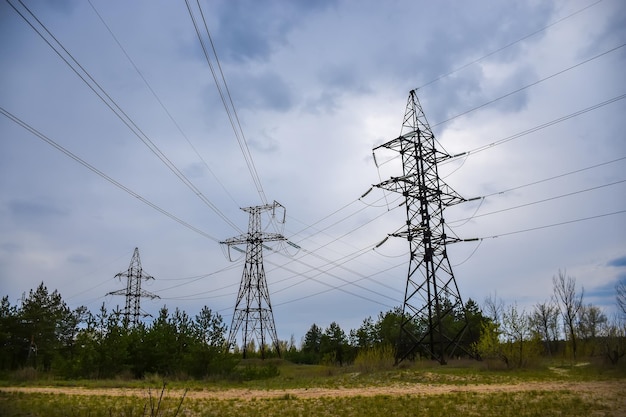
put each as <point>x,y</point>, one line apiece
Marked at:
<point>253,310</point>
<point>431,293</point>
<point>133,292</point>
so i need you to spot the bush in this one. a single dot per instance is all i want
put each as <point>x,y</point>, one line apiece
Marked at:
<point>25,374</point>
<point>252,372</point>
<point>375,359</point>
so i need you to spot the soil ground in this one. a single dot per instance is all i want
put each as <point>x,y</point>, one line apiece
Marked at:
<point>595,389</point>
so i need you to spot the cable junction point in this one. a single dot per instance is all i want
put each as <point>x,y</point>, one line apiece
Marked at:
<point>253,314</point>
<point>431,294</point>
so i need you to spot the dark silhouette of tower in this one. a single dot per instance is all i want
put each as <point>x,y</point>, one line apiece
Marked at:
<point>431,295</point>
<point>253,310</point>
<point>133,292</point>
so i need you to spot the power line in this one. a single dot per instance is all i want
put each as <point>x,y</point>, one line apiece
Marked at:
<point>158,99</point>
<point>524,132</point>
<point>538,201</point>
<point>557,176</point>
<point>230,108</point>
<point>507,45</point>
<point>545,125</point>
<point>532,229</point>
<point>76,158</point>
<point>530,85</point>
<point>86,77</point>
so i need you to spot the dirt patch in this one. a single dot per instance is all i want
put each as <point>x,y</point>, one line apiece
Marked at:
<point>595,389</point>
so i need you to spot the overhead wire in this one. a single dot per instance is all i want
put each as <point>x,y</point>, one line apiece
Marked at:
<point>158,99</point>
<point>93,85</point>
<point>530,85</point>
<point>119,185</point>
<point>554,177</point>
<point>543,125</point>
<point>99,284</point>
<point>329,215</point>
<point>532,229</point>
<point>205,22</point>
<point>500,49</point>
<point>534,33</point>
<point>230,108</point>
<point>518,135</point>
<point>335,263</point>
<point>540,201</point>
<point>536,182</point>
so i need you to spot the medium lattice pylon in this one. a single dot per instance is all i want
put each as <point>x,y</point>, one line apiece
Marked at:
<point>253,310</point>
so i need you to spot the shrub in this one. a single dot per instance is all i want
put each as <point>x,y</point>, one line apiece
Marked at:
<point>374,359</point>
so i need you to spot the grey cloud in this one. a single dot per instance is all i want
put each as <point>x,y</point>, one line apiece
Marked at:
<point>77,258</point>
<point>265,90</point>
<point>30,209</point>
<point>618,262</point>
<point>252,30</point>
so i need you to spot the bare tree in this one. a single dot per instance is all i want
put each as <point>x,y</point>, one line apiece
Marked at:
<point>614,339</point>
<point>545,322</point>
<point>494,308</point>
<point>569,303</point>
<point>620,290</point>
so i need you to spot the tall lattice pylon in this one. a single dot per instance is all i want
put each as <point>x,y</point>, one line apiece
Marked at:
<point>133,292</point>
<point>253,310</point>
<point>431,294</point>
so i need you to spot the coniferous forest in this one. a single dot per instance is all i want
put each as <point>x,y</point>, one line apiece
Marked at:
<point>44,335</point>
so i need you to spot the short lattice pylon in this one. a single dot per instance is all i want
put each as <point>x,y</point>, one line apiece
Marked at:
<point>253,310</point>
<point>133,292</point>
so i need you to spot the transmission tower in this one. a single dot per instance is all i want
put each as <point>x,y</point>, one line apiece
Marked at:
<point>431,294</point>
<point>253,309</point>
<point>133,292</point>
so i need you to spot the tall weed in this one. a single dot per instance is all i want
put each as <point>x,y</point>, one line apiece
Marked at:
<point>377,358</point>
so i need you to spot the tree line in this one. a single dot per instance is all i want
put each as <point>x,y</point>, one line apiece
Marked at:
<point>44,334</point>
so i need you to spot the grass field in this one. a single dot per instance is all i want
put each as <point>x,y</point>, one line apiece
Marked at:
<point>460,389</point>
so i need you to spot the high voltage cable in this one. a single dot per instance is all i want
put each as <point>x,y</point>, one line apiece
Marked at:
<point>548,179</point>
<point>101,283</point>
<point>576,171</point>
<point>335,263</point>
<point>540,201</point>
<point>200,277</point>
<point>116,109</point>
<point>524,132</point>
<point>552,225</point>
<point>325,271</point>
<point>501,192</point>
<point>351,203</point>
<point>76,158</point>
<point>340,287</point>
<point>507,45</point>
<point>346,282</point>
<point>230,110</point>
<point>547,124</point>
<point>529,85</point>
<point>158,99</point>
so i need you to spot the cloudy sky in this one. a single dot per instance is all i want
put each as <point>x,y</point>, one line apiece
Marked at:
<point>534,90</point>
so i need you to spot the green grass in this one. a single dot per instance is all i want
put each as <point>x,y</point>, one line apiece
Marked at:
<point>455,375</point>
<point>522,404</point>
<point>291,375</point>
